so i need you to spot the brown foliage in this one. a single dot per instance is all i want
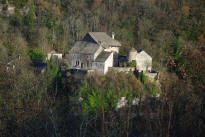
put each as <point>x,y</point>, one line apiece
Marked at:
<point>186,10</point>
<point>183,106</point>
<point>97,3</point>
<point>195,65</point>
<point>47,6</point>
<point>56,10</point>
<point>44,5</point>
<point>202,38</point>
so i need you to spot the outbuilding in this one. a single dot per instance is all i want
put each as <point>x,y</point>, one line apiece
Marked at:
<point>143,62</point>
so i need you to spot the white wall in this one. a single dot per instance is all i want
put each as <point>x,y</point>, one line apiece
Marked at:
<point>98,52</point>
<point>108,63</point>
<point>143,64</point>
<point>59,56</point>
<point>102,67</point>
<point>115,51</point>
<point>112,49</point>
<point>132,56</point>
<point>11,9</point>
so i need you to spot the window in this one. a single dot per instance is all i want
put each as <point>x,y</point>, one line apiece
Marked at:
<point>77,63</point>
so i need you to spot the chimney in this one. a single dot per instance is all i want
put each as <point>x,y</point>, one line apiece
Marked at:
<point>113,35</point>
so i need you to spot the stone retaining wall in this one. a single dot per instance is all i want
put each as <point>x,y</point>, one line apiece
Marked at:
<point>122,69</point>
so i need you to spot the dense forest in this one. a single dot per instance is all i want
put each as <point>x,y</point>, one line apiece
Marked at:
<point>47,105</point>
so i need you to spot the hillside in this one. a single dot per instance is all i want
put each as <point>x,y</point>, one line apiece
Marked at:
<point>171,31</point>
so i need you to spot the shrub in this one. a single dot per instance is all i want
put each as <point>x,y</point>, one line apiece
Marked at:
<point>92,99</point>
<point>28,20</point>
<point>152,89</point>
<point>51,70</point>
<point>142,77</point>
<point>132,64</point>
<point>91,103</point>
<point>36,55</point>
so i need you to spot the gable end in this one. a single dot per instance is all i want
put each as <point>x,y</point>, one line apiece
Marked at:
<point>88,38</point>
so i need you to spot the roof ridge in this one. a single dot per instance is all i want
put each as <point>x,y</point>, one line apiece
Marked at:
<point>102,38</point>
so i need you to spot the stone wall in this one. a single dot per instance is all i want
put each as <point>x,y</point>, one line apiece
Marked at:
<point>80,61</point>
<point>98,67</point>
<point>122,69</point>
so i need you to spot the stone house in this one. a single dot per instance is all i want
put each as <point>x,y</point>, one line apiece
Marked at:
<point>143,60</point>
<point>97,51</point>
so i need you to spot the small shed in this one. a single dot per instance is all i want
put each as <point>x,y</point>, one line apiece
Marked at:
<point>143,61</point>
<point>54,54</point>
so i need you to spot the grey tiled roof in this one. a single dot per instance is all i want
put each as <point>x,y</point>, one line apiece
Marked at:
<point>82,47</point>
<point>103,39</point>
<point>103,56</point>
